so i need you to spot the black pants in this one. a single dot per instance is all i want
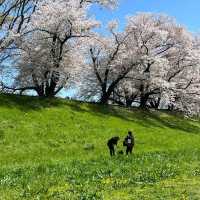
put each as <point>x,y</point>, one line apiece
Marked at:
<point>112,150</point>
<point>129,149</point>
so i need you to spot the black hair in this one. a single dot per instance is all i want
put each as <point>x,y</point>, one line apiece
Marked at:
<point>130,132</point>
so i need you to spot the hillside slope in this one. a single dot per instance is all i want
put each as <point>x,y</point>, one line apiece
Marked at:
<point>56,149</point>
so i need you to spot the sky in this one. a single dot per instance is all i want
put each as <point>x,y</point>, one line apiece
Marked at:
<point>186,12</point>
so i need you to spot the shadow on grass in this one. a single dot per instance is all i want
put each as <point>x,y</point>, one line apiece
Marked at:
<point>28,103</point>
<point>146,118</point>
<point>149,118</point>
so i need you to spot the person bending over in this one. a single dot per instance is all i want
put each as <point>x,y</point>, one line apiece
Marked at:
<point>111,145</point>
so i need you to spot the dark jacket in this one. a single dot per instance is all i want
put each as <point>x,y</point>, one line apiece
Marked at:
<point>113,141</point>
<point>129,141</point>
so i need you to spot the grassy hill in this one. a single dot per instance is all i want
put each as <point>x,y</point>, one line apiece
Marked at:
<point>56,149</point>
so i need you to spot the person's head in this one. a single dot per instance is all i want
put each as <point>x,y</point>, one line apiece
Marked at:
<point>130,133</point>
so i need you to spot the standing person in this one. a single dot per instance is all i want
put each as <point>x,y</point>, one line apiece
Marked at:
<point>129,142</point>
<point>111,145</point>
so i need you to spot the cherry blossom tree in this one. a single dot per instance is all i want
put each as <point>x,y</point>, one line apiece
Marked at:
<point>152,57</point>
<point>167,52</point>
<point>14,15</point>
<point>110,62</point>
<point>49,45</point>
<point>185,94</point>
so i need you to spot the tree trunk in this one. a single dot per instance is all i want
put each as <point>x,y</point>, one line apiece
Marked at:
<point>143,100</point>
<point>107,93</point>
<point>129,102</point>
<point>154,103</point>
<point>40,91</point>
<point>130,99</point>
<point>50,91</point>
<point>170,107</point>
<point>104,98</point>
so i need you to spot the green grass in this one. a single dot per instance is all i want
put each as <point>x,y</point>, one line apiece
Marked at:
<point>56,149</point>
